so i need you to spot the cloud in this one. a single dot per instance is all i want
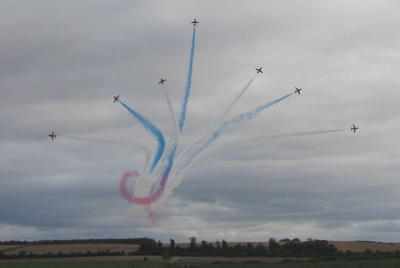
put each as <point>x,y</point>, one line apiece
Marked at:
<point>62,63</point>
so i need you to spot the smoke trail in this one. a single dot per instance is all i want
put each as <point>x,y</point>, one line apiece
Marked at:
<point>160,189</point>
<point>234,123</point>
<point>171,112</point>
<point>235,100</point>
<point>170,152</point>
<point>231,125</point>
<point>188,84</point>
<point>242,142</point>
<point>153,197</point>
<point>175,139</point>
<point>131,198</point>
<point>153,130</point>
<point>118,143</point>
<point>217,120</point>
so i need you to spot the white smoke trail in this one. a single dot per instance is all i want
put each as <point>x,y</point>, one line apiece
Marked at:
<point>242,142</point>
<point>175,139</point>
<point>171,111</point>
<point>218,119</point>
<point>210,128</point>
<point>229,126</point>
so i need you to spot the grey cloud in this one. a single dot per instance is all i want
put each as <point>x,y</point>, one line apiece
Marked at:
<point>63,62</point>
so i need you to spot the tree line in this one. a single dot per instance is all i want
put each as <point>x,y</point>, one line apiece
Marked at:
<point>24,255</point>
<point>283,248</point>
<point>313,248</point>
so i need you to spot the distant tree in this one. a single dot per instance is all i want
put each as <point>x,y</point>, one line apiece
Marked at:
<point>171,245</point>
<point>224,245</point>
<point>159,247</point>
<point>211,249</point>
<point>49,254</point>
<point>238,250</point>
<point>206,248</point>
<point>22,254</point>
<point>250,249</point>
<point>148,246</point>
<point>272,244</point>
<point>294,248</point>
<point>218,249</point>
<point>193,242</point>
<point>178,251</point>
<point>260,250</point>
<point>274,248</point>
<point>321,247</point>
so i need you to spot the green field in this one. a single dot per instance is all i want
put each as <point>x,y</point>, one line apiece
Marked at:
<point>86,264</point>
<point>384,263</point>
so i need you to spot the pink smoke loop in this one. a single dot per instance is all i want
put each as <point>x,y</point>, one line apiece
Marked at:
<point>133,199</point>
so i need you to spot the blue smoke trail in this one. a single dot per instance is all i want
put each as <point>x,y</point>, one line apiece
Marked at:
<point>168,168</point>
<point>182,118</point>
<point>231,125</point>
<point>158,134</point>
<point>153,130</point>
<point>188,84</point>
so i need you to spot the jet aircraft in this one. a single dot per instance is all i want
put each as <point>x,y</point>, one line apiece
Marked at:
<point>52,135</point>
<point>195,22</point>
<point>354,128</point>
<point>297,90</point>
<point>116,98</point>
<point>259,70</point>
<point>162,81</point>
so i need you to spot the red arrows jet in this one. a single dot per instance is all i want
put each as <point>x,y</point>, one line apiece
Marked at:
<point>162,81</point>
<point>354,128</point>
<point>259,70</point>
<point>297,90</point>
<point>116,98</point>
<point>195,22</point>
<point>52,135</point>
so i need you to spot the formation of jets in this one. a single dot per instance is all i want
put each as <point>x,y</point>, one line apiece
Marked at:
<point>258,70</point>
<point>297,90</point>
<point>354,128</point>
<point>52,135</point>
<point>194,22</point>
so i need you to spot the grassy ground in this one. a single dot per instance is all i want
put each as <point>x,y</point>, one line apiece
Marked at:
<point>84,264</point>
<point>384,263</point>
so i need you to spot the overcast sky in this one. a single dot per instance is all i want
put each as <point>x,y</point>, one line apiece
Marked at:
<point>63,61</point>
